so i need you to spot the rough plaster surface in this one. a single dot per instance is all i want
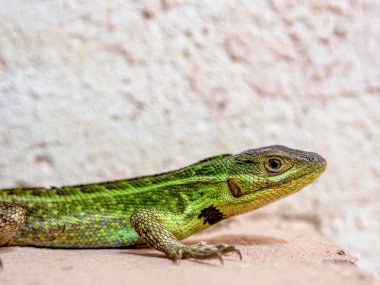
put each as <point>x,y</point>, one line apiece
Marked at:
<point>98,90</point>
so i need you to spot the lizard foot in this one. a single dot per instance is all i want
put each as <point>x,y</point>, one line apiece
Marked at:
<point>202,250</point>
<point>149,225</point>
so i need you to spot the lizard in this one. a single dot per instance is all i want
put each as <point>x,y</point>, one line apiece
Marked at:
<point>158,210</point>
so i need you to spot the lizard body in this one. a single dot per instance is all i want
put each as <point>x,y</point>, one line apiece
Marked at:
<point>159,209</point>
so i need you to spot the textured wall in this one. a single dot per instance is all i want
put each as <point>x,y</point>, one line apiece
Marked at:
<point>96,90</point>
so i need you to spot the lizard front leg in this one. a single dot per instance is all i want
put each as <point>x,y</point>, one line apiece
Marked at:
<point>150,226</point>
<point>12,216</point>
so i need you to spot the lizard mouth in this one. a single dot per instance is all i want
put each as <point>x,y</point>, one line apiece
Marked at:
<point>302,178</point>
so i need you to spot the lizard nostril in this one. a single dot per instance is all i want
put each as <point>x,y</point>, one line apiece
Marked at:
<point>314,157</point>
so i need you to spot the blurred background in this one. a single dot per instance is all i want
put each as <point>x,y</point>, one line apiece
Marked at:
<point>103,90</point>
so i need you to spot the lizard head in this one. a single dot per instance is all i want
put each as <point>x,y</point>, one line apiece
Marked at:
<point>264,175</point>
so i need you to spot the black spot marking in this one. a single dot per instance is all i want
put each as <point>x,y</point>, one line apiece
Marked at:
<point>112,185</point>
<point>206,170</point>
<point>39,192</point>
<point>62,191</point>
<point>88,189</point>
<point>211,215</point>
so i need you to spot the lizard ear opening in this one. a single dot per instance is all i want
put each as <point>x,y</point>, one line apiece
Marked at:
<point>234,188</point>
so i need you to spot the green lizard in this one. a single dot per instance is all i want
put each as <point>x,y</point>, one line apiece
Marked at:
<point>158,210</point>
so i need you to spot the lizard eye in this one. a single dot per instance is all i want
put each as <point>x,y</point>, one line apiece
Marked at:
<point>274,165</point>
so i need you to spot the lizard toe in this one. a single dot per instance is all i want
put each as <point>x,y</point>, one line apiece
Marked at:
<point>203,250</point>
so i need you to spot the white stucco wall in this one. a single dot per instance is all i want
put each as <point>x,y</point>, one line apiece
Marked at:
<point>98,90</point>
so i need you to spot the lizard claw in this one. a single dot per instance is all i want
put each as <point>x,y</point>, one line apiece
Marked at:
<point>177,256</point>
<point>202,250</point>
<point>230,248</point>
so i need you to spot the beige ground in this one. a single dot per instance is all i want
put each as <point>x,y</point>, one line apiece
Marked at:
<point>275,251</point>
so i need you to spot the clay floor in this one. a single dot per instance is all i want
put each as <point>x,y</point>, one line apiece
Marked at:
<point>276,250</point>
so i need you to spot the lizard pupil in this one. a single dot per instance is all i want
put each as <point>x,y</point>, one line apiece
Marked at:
<point>275,163</point>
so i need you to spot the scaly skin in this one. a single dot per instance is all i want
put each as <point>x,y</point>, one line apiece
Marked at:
<point>158,210</point>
